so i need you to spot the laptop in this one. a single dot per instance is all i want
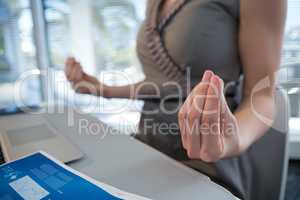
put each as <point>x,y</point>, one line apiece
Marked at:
<point>39,135</point>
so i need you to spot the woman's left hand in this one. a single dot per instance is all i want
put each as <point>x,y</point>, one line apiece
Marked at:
<point>209,130</point>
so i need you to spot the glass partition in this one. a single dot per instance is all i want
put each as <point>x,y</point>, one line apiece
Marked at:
<point>17,55</point>
<point>291,56</point>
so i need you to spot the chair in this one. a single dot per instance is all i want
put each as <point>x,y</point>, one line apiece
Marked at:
<point>269,156</point>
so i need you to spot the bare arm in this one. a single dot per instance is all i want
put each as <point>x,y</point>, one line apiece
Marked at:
<point>209,130</point>
<point>133,91</point>
<point>261,32</point>
<point>84,83</point>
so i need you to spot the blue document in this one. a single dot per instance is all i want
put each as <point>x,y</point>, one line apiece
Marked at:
<point>38,176</point>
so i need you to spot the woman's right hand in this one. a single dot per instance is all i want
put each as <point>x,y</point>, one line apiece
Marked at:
<point>81,81</point>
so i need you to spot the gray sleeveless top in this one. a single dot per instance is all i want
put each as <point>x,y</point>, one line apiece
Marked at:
<point>195,36</point>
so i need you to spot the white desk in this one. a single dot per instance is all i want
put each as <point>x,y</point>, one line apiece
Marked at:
<point>128,164</point>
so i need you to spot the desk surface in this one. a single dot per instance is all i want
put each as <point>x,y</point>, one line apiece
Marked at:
<point>125,163</point>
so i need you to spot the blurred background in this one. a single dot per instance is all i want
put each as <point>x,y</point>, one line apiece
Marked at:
<point>38,35</point>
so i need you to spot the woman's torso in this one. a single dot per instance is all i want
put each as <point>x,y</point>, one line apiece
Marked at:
<point>200,35</point>
<point>196,35</point>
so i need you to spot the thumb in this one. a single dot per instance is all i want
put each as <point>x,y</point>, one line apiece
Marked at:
<point>224,106</point>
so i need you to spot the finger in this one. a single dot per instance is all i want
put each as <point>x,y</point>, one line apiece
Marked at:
<point>71,73</point>
<point>226,114</point>
<point>70,61</point>
<point>75,72</point>
<point>200,91</point>
<point>183,114</point>
<point>67,61</point>
<point>211,144</point>
<point>79,72</point>
<point>69,64</point>
<point>183,122</point>
<point>184,119</point>
<point>194,110</point>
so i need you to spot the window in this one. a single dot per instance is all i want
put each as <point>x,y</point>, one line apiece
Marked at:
<point>291,56</point>
<point>17,52</point>
<point>101,34</point>
<point>3,62</point>
<point>291,50</point>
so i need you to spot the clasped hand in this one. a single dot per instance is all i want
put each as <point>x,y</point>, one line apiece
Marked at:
<point>209,130</point>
